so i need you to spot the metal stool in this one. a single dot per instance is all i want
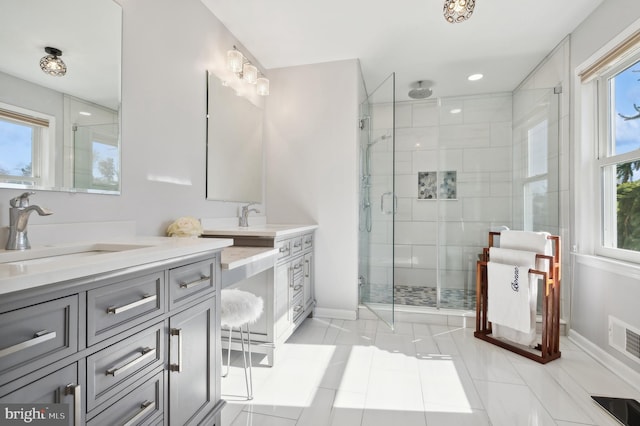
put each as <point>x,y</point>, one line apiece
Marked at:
<point>240,308</point>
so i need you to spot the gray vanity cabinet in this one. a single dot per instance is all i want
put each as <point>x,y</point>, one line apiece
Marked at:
<point>287,289</point>
<point>138,346</point>
<point>193,361</point>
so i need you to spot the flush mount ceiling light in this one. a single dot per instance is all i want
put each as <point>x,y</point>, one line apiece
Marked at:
<point>52,64</point>
<point>475,77</point>
<point>246,71</point>
<point>458,10</point>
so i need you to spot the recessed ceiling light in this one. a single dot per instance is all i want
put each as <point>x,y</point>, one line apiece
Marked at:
<point>475,77</point>
<point>84,113</point>
<point>456,111</point>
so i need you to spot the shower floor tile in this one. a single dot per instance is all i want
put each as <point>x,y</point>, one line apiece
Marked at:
<point>451,298</point>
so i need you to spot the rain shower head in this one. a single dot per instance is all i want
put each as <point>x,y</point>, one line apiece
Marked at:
<point>420,92</point>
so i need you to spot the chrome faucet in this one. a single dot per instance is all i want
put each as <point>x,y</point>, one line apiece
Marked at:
<point>244,216</point>
<point>18,220</point>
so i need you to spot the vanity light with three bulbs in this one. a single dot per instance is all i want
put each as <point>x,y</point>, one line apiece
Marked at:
<point>245,70</point>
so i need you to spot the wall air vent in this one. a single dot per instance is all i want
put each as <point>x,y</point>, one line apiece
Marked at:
<point>624,338</point>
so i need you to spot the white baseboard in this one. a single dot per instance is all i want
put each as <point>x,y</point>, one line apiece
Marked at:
<point>343,314</point>
<point>620,369</point>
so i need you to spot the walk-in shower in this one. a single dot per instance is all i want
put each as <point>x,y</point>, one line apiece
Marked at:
<point>436,175</point>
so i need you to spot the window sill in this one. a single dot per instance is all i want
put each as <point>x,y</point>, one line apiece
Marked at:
<point>620,267</point>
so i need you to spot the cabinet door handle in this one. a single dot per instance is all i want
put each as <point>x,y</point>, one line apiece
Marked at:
<point>298,287</point>
<point>177,367</point>
<point>39,337</point>
<point>145,408</point>
<point>308,268</point>
<point>76,391</point>
<point>147,298</point>
<point>147,353</point>
<point>203,279</point>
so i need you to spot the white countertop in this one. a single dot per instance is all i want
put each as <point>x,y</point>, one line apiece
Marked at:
<point>265,230</point>
<point>16,275</point>
<point>236,256</point>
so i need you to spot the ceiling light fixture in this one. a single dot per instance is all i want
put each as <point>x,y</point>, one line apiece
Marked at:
<point>246,71</point>
<point>52,64</point>
<point>456,111</point>
<point>475,77</point>
<point>458,10</point>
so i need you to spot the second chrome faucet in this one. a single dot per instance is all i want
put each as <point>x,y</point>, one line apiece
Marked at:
<point>243,220</point>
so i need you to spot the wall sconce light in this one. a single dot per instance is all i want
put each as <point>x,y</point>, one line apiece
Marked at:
<point>458,10</point>
<point>52,64</point>
<point>246,71</point>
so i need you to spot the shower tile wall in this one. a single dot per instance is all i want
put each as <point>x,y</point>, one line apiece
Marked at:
<point>476,143</point>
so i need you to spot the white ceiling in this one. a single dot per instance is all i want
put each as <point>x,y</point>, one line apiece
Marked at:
<point>504,39</point>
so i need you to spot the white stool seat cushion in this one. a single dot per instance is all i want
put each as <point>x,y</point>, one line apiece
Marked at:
<point>239,307</point>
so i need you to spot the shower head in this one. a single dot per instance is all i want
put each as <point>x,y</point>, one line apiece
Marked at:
<point>420,92</point>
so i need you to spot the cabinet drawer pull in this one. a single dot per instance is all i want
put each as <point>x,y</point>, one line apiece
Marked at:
<point>297,308</point>
<point>76,391</point>
<point>308,241</point>
<point>147,298</point>
<point>177,367</point>
<point>297,266</point>
<point>39,337</point>
<point>145,408</point>
<point>297,244</point>
<point>147,353</point>
<point>203,279</point>
<point>298,287</point>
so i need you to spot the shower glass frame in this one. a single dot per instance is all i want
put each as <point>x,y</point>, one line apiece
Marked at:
<point>377,201</point>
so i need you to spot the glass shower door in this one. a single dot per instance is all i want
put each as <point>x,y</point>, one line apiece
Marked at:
<point>377,201</point>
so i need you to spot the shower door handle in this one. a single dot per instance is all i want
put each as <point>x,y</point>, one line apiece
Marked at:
<point>395,203</point>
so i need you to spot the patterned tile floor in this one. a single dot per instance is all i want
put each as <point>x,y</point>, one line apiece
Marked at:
<point>451,298</point>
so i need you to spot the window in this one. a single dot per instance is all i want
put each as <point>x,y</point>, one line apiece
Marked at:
<point>22,143</point>
<point>619,156</point>
<point>535,182</point>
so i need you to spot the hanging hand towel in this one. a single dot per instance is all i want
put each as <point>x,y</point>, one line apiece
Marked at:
<point>509,290</point>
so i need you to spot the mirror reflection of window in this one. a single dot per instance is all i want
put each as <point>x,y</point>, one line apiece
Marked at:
<point>24,151</point>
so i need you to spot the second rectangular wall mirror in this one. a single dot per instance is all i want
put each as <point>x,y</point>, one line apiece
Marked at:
<point>234,145</point>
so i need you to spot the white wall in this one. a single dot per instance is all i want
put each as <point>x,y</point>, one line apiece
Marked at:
<point>167,46</point>
<point>311,140</point>
<point>600,288</point>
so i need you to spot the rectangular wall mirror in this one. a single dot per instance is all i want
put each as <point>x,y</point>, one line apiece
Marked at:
<point>60,132</point>
<point>234,145</point>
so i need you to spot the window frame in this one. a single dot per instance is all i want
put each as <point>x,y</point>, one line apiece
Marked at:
<point>606,208</point>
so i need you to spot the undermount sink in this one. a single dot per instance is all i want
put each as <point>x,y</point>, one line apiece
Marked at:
<point>41,255</point>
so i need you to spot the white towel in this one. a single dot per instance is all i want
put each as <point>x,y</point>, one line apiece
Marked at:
<point>509,296</point>
<point>526,240</point>
<point>509,288</point>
